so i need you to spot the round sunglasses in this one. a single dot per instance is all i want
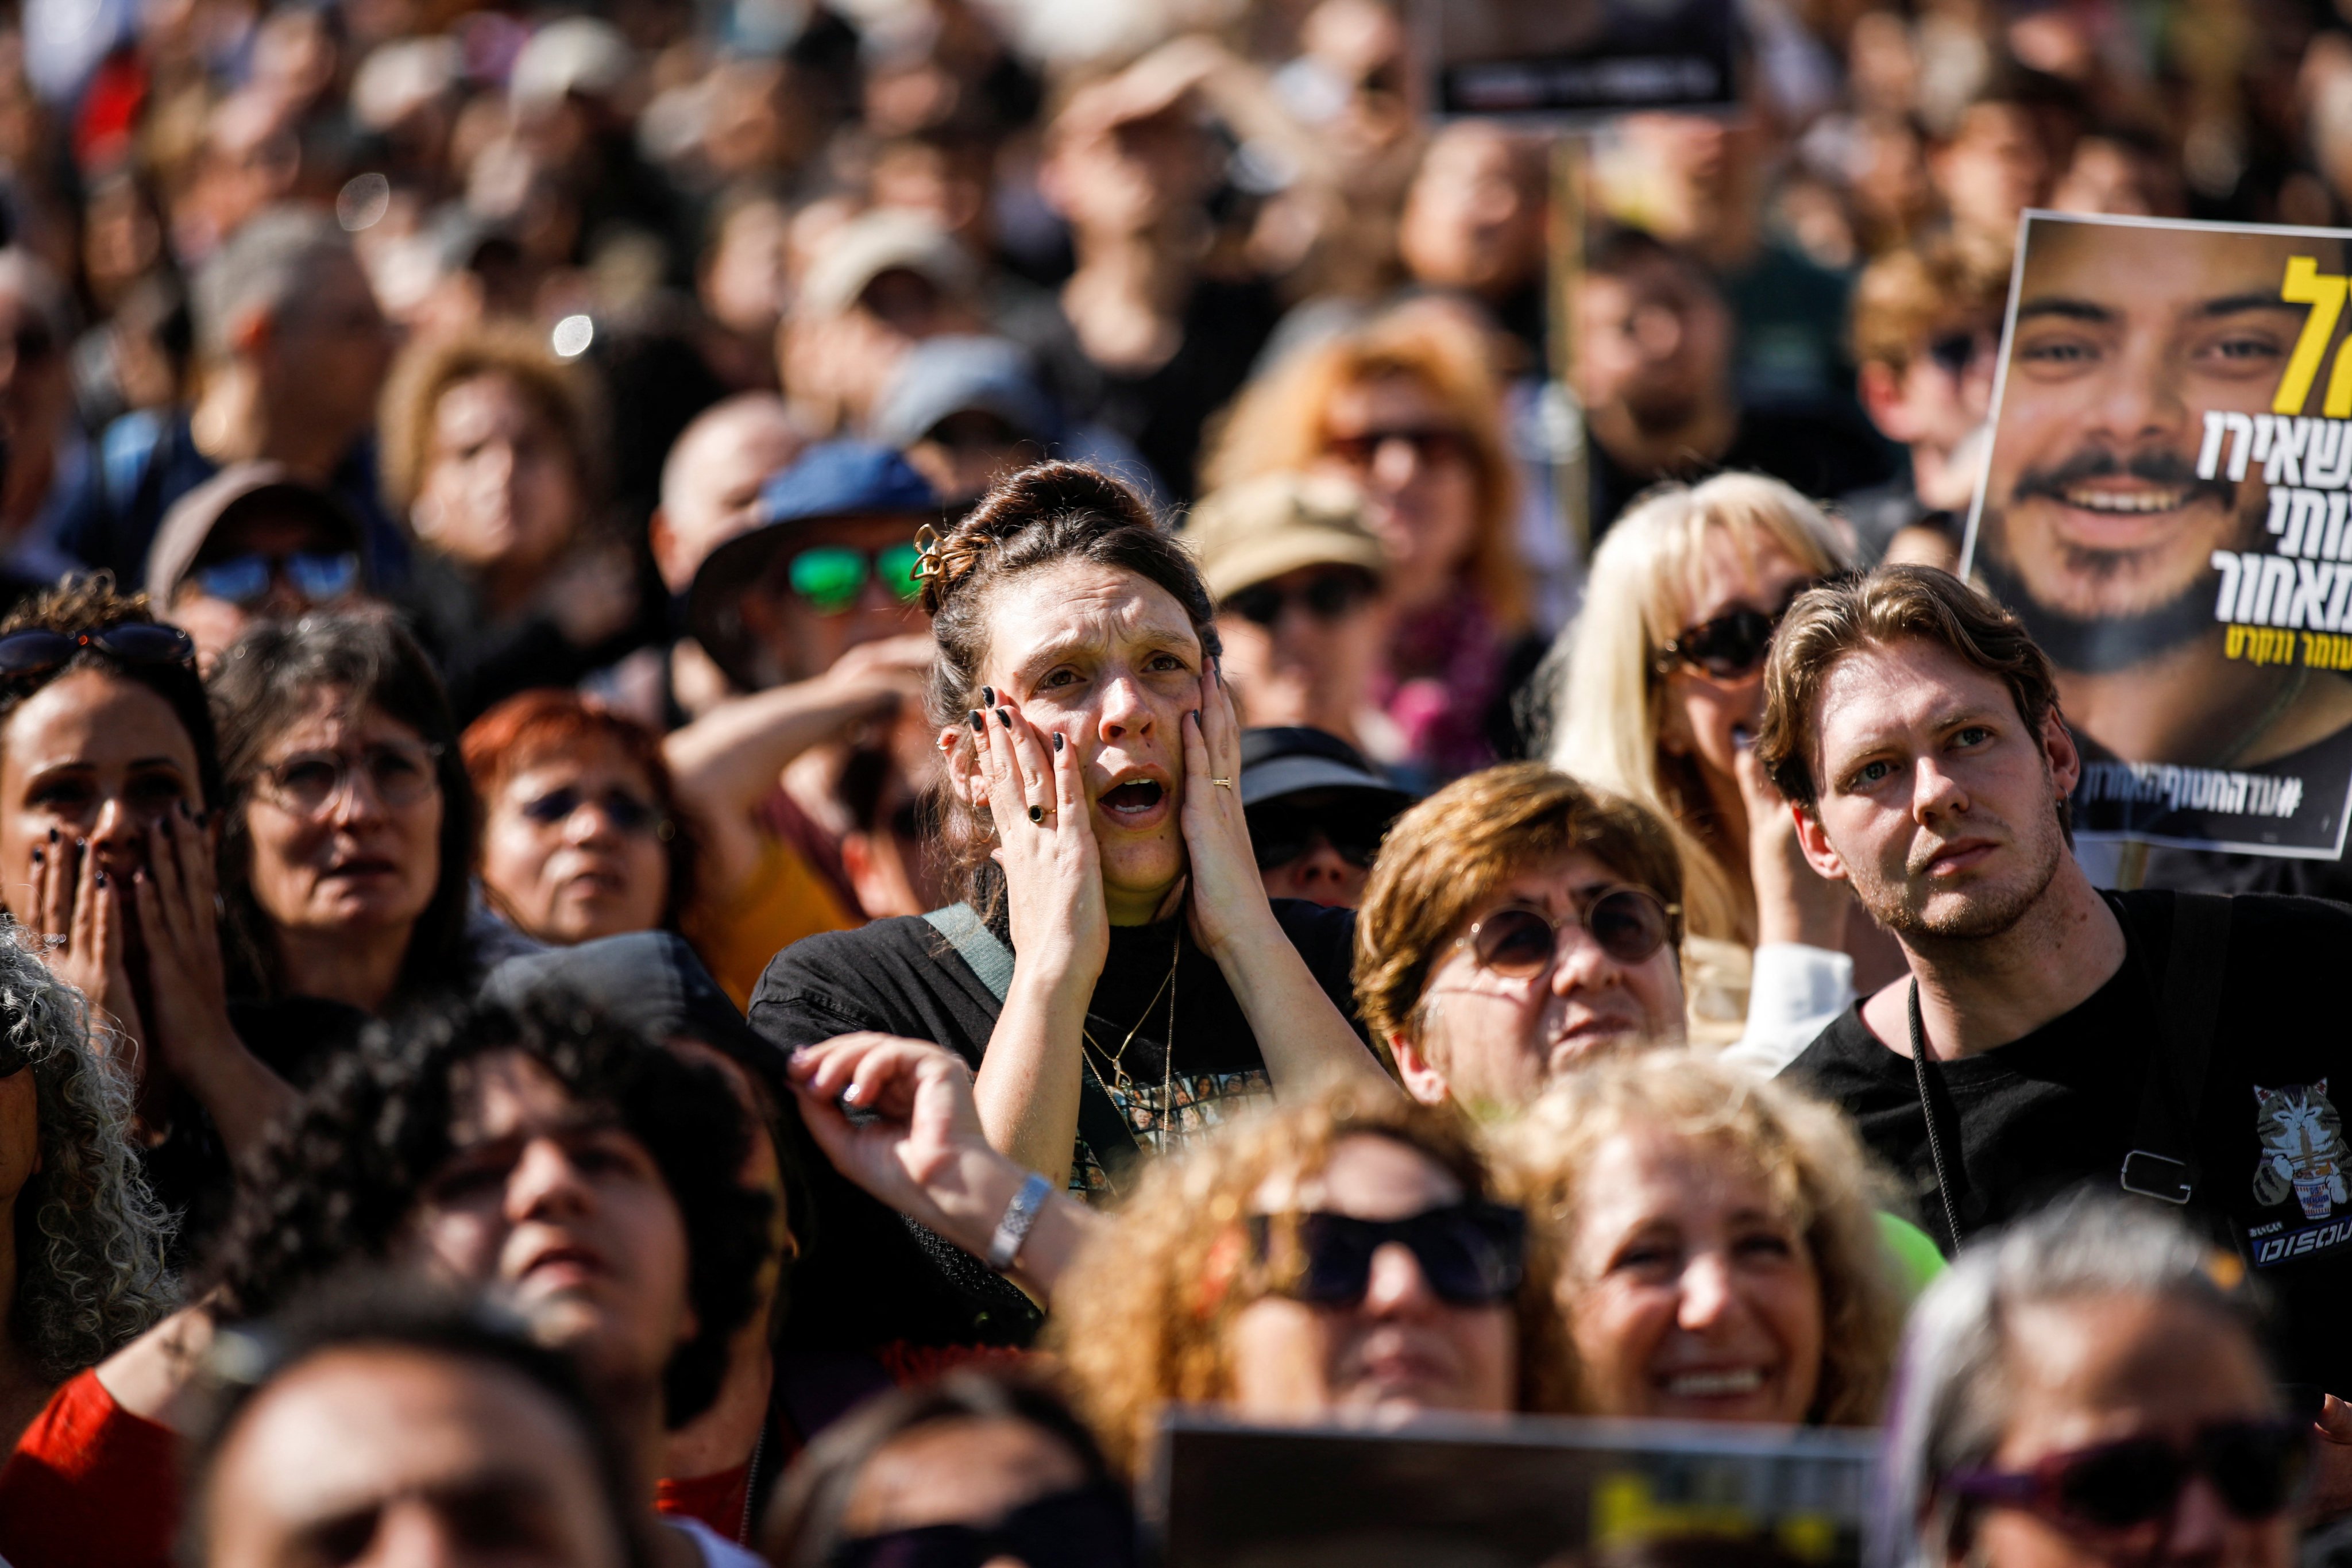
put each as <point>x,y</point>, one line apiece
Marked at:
<point>2258,1467</point>
<point>828,578</point>
<point>1518,942</point>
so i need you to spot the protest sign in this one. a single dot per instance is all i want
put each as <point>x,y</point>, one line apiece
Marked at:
<point>2164,506</point>
<point>1519,1493</point>
<point>1571,62</point>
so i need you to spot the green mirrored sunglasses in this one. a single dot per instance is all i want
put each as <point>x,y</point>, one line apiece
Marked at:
<point>828,578</point>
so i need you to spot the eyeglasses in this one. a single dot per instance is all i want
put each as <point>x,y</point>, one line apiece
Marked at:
<point>1729,646</point>
<point>399,772</point>
<point>318,576</point>
<point>39,651</point>
<point>1472,1254</point>
<point>2257,1467</point>
<point>1518,942</point>
<point>828,578</point>
<point>1086,1527</point>
<point>1327,596</point>
<point>1431,445</point>
<point>625,810</point>
<point>1280,834</point>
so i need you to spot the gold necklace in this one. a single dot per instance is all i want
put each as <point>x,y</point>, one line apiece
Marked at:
<point>1116,1060</point>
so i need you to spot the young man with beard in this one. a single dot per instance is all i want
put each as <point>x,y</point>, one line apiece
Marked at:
<point>2049,1035</point>
<point>2098,533</point>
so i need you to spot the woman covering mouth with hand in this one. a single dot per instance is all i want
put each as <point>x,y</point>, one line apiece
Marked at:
<point>1116,974</point>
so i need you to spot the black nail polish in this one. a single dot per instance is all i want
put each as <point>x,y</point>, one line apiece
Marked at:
<point>988,697</point>
<point>99,880</point>
<point>1058,740</point>
<point>1003,718</point>
<point>38,857</point>
<point>1036,814</point>
<point>978,724</point>
<point>53,836</point>
<point>1196,715</point>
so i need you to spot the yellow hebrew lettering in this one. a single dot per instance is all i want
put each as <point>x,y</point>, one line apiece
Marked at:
<point>2323,293</point>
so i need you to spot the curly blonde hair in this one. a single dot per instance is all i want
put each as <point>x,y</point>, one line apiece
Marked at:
<point>1141,1320</point>
<point>1812,1162</point>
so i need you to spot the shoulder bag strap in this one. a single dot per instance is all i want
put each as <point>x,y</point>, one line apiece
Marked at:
<point>991,963</point>
<point>2162,1163</point>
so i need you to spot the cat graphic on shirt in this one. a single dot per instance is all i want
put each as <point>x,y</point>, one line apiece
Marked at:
<point>2303,1148</point>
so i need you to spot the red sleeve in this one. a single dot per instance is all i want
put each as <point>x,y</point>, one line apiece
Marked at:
<point>909,1364</point>
<point>91,1486</point>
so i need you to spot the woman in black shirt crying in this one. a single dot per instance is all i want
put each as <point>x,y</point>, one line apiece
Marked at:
<point>1089,813</point>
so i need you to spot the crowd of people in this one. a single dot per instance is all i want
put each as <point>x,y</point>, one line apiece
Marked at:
<point>763,764</point>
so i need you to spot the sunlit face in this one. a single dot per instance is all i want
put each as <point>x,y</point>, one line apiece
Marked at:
<point>2122,344</point>
<point>799,639</point>
<point>1654,343</point>
<point>1472,219</point>
<point>1701,713</point>
<point>1402,1350</point>
<point>1489,1039</point>
<point>329,349</point>
<point>1307,667</point>
<point>597,869</point>
<point>89,756</point>
<point>969,1470</point>
<point>2105,1368</point>
<point>381,1455</point>
<point>711,493</point>
<point>501,488</point>
<point>1410,456</point>
<point>1109,660</point>
<point>556,1207</point>
<point>361,865</point>
<point>1691,1293</point>
<point>1932,797</point>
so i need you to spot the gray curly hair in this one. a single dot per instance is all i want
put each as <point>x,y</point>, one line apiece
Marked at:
<point>91,1273</point>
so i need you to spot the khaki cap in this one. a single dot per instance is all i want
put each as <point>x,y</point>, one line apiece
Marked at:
<point>1262,528</point>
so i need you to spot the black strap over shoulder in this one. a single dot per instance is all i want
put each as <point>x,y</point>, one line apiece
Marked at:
<point>2162,1163</point>
<point>1107,1133</point>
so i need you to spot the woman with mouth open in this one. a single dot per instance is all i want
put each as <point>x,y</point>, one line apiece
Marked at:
<point>1115,974</point>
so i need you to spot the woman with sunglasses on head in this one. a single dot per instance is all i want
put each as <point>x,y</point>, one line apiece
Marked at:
<point>2088,1388</point>
<point>109,793</point>
<point>581,835</point>
<point>348,835</point>
<point>1406,410</point>
<point>491,449</point>
<point>1517,922</point>
<point>1659,699</point>
<point>1722,1255</point>
<point>1115,971</point>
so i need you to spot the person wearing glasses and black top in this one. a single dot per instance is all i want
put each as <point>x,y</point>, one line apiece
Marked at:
<point>2086,1389</point>
<point>1516,923</point>
<point>1659,697</point>
<point>1317,813</point>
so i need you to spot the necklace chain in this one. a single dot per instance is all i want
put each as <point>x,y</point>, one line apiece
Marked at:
<point>1116,1060</point>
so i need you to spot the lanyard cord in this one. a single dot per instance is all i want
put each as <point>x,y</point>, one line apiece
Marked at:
<point>1928,1112</point>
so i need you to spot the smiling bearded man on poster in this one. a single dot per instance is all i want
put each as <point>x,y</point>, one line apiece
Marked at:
<point>2097,530</point>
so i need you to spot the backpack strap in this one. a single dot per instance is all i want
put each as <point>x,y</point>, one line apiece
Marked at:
<point>1107,1135</point>
<point>2162,1163</point>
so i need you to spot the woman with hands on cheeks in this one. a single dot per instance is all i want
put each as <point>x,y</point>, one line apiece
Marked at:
<point>1092,754</point>
<point>110,785</point>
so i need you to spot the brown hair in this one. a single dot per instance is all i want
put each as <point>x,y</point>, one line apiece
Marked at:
<point>1039,517</point>
<point>1813,1165</point>
<point>1277,424</point>
<point>1450,853</point>
<point>554,722</point>
<point>1904,295</point>
<point>559,394</point>
<point>1885,606</point>
<point>1142,1319</point>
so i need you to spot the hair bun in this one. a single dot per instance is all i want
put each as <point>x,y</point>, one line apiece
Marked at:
<point>1019,501</point>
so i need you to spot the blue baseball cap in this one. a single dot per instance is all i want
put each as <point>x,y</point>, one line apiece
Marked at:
<point>949,375</point>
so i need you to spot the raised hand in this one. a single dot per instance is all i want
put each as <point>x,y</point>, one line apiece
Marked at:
<point>1045,843</point>
<point>1228,901</point>
<point>1794,902</point>
<point>77,918</point>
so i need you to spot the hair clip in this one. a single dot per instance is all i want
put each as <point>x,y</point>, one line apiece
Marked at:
<point>928,564</point>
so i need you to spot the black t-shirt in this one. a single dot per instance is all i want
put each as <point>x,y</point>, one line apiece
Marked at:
<point>2060,1107</point>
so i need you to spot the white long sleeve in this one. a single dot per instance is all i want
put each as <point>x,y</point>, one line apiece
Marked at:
<point>1794,993</point>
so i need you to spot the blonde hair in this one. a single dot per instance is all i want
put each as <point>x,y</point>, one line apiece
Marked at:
<point>1141,1319</point>
<point>556,391</point>
<point>1813,1166</point>
<point>1278,424</point>
<point>1609,703</point>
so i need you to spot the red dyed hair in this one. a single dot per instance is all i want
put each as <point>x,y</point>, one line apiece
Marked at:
<point>533,725</point>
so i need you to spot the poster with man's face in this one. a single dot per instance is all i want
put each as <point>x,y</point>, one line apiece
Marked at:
<point>2165,506</point>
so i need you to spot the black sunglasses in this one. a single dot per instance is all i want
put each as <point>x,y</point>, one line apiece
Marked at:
<point>1517,941</point>
<point>1326,597</point>
<point>1279,834</point>
<point>625,810</point>
<point>1728,647</point>
<point>39,651</point>
<point>1472,1254</point>
<point>1088,1527</point>
<point>2259,1468</point>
